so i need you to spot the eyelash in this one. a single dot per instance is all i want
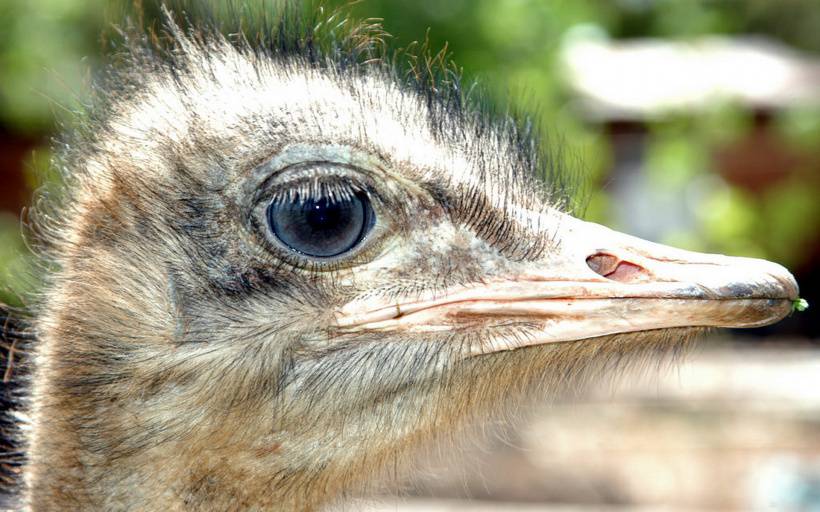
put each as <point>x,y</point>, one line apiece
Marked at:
<point>318,188</point>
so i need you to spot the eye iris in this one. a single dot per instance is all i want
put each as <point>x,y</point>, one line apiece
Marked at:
<point>323,227</point>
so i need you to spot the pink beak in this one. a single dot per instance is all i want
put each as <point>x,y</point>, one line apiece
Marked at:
<point>597,282</point>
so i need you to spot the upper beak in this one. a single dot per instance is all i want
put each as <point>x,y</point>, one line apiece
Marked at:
<point>596,282</point>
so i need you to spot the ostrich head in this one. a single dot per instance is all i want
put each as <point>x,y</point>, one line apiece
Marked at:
<point>280,265</point>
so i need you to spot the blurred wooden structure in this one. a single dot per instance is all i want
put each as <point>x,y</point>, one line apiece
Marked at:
<point>732,429</point>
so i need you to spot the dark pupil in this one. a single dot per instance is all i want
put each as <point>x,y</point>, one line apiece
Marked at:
<point>321,227</point>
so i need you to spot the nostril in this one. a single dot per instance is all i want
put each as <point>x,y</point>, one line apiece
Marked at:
<point>611,267</point>
<point>602,264</point>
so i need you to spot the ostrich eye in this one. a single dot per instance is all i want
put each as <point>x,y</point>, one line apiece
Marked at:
<point>321,228</point>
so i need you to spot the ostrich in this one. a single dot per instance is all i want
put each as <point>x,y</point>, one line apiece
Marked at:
<point>278,265</point>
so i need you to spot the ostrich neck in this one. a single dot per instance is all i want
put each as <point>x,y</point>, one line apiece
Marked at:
<point>89,449</point>
<point>76,469</point>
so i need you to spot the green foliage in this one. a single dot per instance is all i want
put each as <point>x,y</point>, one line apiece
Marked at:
<point>800,305</point>
<point>14,272</point>
<point>46,50</point>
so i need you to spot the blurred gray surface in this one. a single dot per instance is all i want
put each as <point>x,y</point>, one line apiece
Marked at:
<point>728,428</point>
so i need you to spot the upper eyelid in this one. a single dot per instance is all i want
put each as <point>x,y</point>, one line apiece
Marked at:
<point>265,183</point>
<point>303,154</point>
<point>347,181</point>
<point>316,171</point>
<point>321,172</point>
<point>382,176</point>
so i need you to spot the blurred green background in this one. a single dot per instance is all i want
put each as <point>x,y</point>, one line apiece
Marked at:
<point>730,173</point>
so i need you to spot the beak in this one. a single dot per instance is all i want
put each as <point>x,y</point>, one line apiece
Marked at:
<point>596,282</point>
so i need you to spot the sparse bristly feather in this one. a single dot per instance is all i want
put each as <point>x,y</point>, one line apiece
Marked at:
<point>283,258</point>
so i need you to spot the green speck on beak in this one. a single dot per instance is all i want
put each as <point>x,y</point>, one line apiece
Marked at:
<point>800,305</point>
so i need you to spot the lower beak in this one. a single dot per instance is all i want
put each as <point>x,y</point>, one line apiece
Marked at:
<point>597,282</point>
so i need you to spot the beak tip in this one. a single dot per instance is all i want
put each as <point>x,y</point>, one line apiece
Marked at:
<point>783,281</point>
<point>751,278</point>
